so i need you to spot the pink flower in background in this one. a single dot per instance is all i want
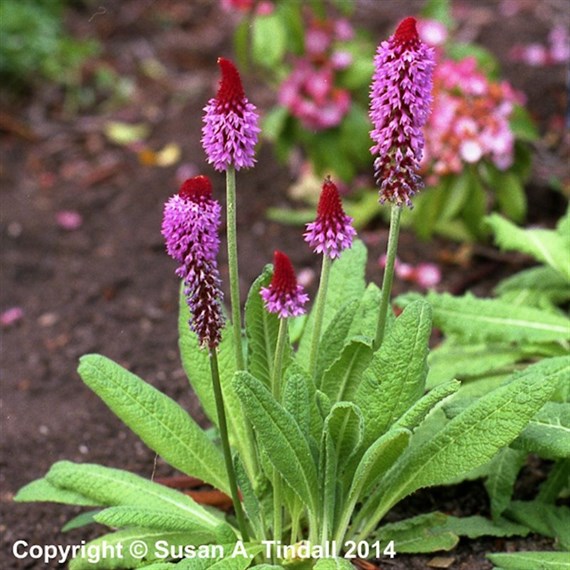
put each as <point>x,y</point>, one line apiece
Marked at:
<point>11,316</point>
<point>69,220</point>
<point>469,120</point>
<point>556,52</point>
<point>432,32</point>
<point>425,275</point>
<point>309,92</point>
<point>261,8</point>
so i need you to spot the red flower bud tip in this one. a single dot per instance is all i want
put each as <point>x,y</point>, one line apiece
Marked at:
<point>406,32</point>
<point>231,91</point>
<point>284,279</point>
<point>196,188</point>
<point>284,296</point>
<point>330,205</point>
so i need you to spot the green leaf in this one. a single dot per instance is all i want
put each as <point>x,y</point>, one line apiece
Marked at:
<point>333,564</point>
<point>549,520</point>
<point>503,471</point>
<point>121,541</point>
<point>341,380</point>
<point>542,280</point>
<point>422,533</point>
<point>158,519</point>
<point>547,246</point>
<point>395,379</point>
<point>297,401</point>
<point>477,526</point>
<point>273,123</point>
<point>492,320</point>
<point>463,361</point>
<point>376,460</point>
<point>81,520</point>
<point>335,336</point>
<point>558,480</point>
<point>511,196</point>
<point>474,436</point>
<point>346,282</point>
<point>281,437</point>
<point>439,10</point>
<point>531,560</point>
<point>548,433</point>
<point>522,125</point>
<point>344,427</point>
<point>157,419</point>
<point>366,316</point>
<point>43,490</point>
<point>261,328</point>
<point>114,487</point>
<point>426,404</point>
<point>269,39</point>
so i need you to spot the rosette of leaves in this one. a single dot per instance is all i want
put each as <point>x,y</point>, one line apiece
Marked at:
<point>349,442</point>
<point>486,340</point>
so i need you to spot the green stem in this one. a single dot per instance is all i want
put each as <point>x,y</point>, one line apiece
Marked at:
<point>319,313</point>
<point>233,264</point>
<point>223,426</point>
<point>276,390</point>
<point>388,273</point>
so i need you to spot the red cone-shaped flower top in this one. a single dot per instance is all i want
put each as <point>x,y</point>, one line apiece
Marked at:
<point>332,231</point>
<point>284,295</point>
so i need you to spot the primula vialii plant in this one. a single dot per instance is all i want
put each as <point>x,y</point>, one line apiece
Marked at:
<point>322,419</point>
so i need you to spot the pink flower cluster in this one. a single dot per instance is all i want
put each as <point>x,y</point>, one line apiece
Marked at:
<point>556,52</point>
<point>262,8</point>
<point>469,120</point>
<point>425,275</point>
<point>309,92</point>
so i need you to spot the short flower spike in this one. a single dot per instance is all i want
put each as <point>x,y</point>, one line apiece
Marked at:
<point>400,101</point>
<point>332,231</point>
<point>230,130</point>
<point>190,227</point>
<point>284,295</point>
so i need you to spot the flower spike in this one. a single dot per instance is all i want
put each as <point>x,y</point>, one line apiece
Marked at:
<point>284,296</point>
<point>332,231</point>
<point>190,227</point>
<point>230,130</point>
<point>400,101</point>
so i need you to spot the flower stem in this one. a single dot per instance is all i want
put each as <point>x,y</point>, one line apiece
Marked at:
<point>319,313</point>
<point>276,391</point>
<point>388,273</point>
<point>222,424</point>
<point>233,264</point>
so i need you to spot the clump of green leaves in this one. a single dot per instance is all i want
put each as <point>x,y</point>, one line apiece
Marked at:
<point>486,340</point>
<point>349,442</point>
<point>35,44</point>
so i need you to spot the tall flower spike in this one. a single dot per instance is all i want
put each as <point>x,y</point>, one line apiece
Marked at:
<point>400,101</point>
<point>190,227</point>
<point>332,230</point>
<point>230,130</point>
<point>284,296</point>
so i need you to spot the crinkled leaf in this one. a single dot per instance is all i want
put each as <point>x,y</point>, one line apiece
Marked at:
<point>43,490</point>
<point>493,320</point>
<point>342,379</point>
<point>281,437</point>
<point>548,433</point>
<point>531,560</point>
<point>474,436</point>
<point>157,419</point>
<point>503,471</point>
<point>114,487</point>
<point>395,378</point>
<point>547,246</point>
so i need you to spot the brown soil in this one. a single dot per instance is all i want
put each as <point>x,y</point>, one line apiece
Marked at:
<point>108,287</point>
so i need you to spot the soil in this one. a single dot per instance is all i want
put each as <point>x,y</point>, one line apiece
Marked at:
<point>108,287</point>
